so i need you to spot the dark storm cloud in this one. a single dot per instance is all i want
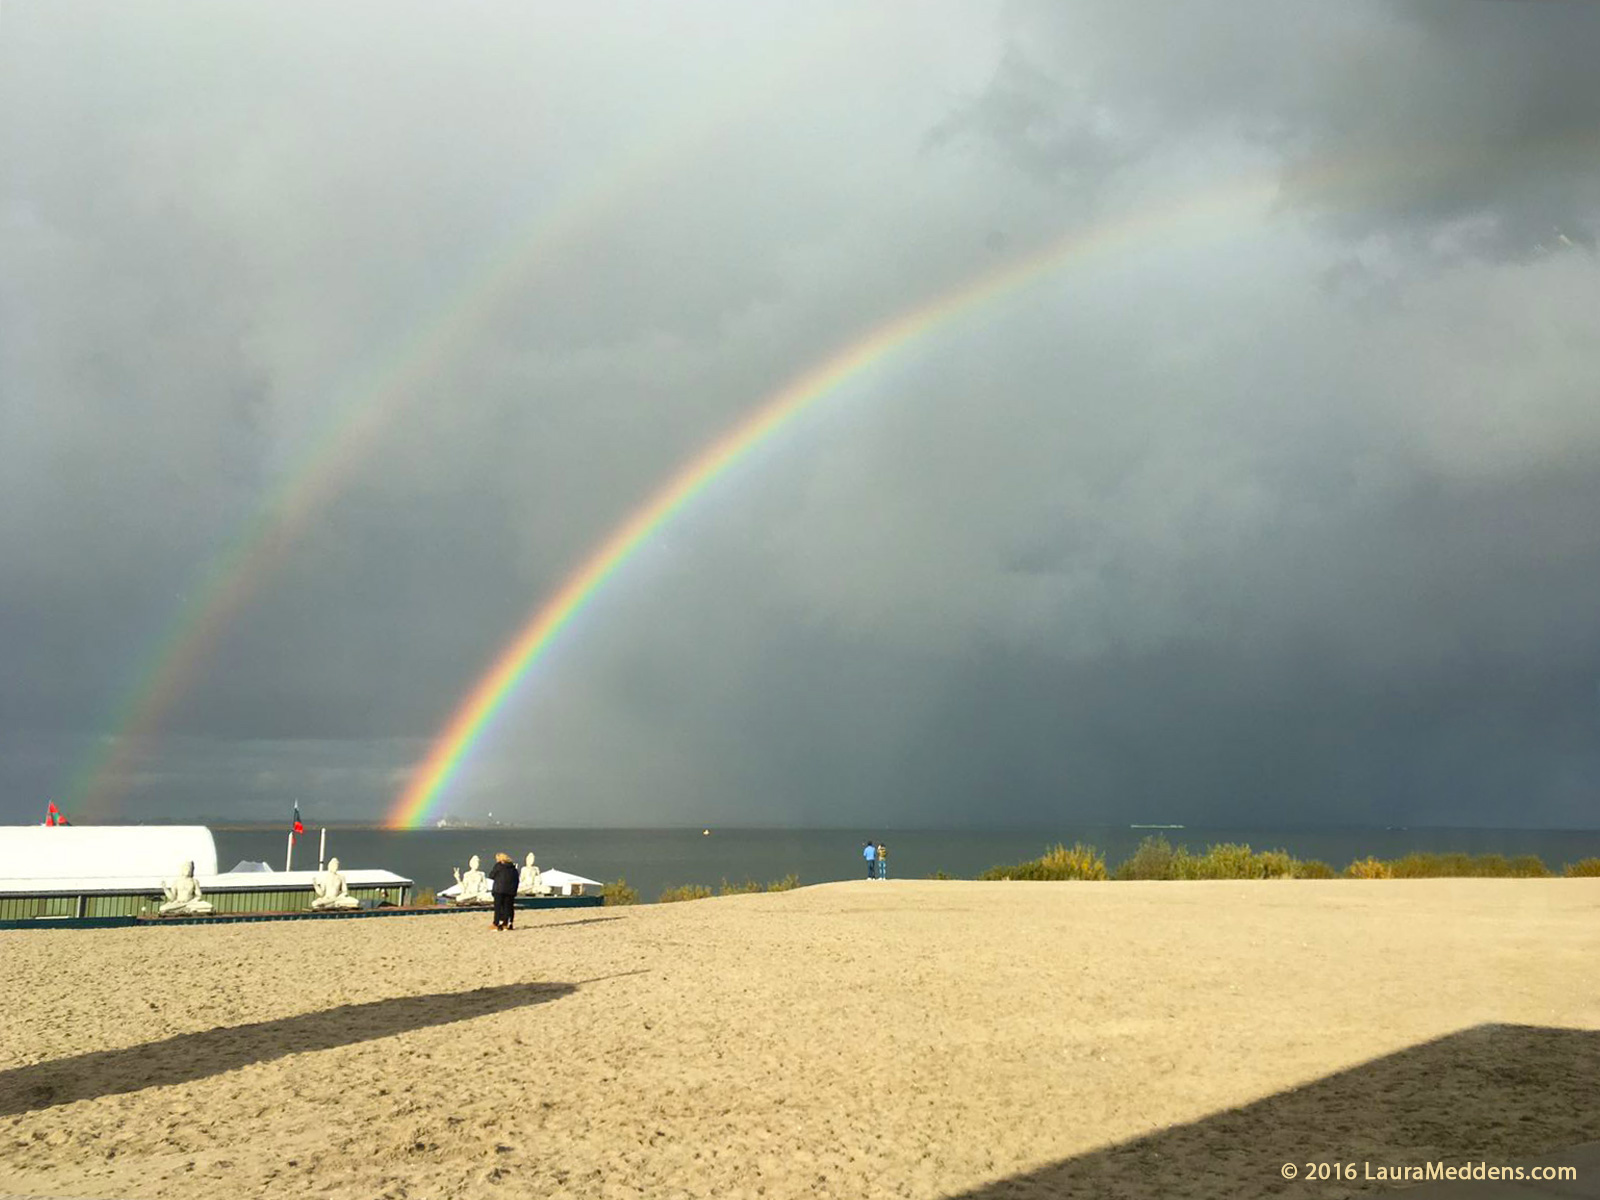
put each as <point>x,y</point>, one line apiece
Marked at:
<point>1476,122</point>
<point>1265,516</point>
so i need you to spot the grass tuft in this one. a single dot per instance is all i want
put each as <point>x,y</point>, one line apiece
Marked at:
<point>1312,868</point>
<point>686,891</point>
<point>1422,864</point>
<point>1157,859</point>
<point>1152,860</point>
<point>1368,868</point>
<point>1059,862</point>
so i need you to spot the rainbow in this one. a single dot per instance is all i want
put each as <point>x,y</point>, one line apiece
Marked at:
<point>176,660</point>
<point>490,694</point>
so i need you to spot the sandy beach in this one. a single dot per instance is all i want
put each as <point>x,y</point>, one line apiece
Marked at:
<point>907,1038</point>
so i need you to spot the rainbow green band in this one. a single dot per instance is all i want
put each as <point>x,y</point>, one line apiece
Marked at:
<point>452,746</point>
<point>235,574</point>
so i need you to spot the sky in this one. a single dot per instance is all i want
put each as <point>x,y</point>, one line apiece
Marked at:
<point>335,337</point>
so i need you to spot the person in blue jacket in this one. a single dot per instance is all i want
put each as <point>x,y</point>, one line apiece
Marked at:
<point>869,851</point>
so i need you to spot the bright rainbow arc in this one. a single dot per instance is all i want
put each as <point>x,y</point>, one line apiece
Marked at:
<point>247,559</point>
<point>490,695</point>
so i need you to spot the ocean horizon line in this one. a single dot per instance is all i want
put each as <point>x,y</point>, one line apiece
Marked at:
<point>1052,829</point>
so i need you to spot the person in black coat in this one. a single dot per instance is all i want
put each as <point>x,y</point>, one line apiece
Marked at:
<point>503,877</point>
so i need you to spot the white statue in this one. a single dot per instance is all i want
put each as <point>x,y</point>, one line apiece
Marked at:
<point>329,890</point>
<point>184,897</point>
<point>474,884</point>
<point>529,882</point>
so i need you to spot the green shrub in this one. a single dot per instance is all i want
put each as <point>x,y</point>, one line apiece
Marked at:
<point>1152,860</point>
<point>1227,860</point>
<point>1418,865</point>
<point>618,892</point>
<point>938,875</point>
<point>1369,868</point>
<point>1583,867</point>
<point>1157,859</point>
<point>750,886</point>
<point>1310,868</point>
<point>1231,860</point>
<point>1456,865</point>
<point>425,897</point>
<point>1275,864</point>
<point>1059,862</point>
<point>687,891</point>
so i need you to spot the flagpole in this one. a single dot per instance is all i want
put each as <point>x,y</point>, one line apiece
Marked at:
<point>288,855</point>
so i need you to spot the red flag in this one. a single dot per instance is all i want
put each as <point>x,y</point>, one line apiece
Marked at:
<point>50,814</point>
<point>297,828</point>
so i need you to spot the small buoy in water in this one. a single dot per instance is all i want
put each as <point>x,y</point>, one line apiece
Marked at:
<point>705,833</point>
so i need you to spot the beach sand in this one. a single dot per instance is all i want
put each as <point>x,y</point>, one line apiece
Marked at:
<point>902,1038</point>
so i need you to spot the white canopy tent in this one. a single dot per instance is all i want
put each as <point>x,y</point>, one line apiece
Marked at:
<point>563,881</point>
<point>98,851</point>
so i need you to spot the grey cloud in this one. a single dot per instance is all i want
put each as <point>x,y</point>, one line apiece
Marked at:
<point>1464,127</point>
<point>1233,520</point>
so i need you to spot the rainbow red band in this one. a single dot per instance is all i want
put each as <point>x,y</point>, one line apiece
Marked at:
<point>495,688</point>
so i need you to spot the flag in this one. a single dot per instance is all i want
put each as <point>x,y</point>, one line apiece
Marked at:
<point>297,828</point>
<point>51,815</point>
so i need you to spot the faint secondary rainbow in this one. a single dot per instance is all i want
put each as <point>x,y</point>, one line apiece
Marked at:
<point>489,695</point>
<point>236,572</point>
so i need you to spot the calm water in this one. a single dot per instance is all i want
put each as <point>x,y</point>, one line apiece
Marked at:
<point>653,859</point>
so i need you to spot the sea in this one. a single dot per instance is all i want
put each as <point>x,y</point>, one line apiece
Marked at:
<point>651,860</point>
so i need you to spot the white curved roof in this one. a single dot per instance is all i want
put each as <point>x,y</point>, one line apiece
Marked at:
<point>230,881</point>
<point>93,851</point>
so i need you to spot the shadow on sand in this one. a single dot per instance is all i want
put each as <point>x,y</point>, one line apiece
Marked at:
<point>191,1056</point>
<point>1491,1093</point>
<point>564,924</point>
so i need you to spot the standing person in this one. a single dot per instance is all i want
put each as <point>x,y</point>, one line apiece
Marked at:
<point>504,875</point>
<point>870,853</point>
<point>883,862</point>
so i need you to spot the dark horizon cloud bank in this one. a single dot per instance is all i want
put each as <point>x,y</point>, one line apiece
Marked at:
<point>1272,501</point>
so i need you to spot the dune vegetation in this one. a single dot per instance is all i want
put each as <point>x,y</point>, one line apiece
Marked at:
<point>1157,858</point>
<point>618,892</point>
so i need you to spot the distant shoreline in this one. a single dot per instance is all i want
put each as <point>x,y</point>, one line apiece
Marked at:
<point>1045,831</point>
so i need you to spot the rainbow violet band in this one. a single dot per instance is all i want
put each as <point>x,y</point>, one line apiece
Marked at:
<point>490,694</point>
<point>370,399</point>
